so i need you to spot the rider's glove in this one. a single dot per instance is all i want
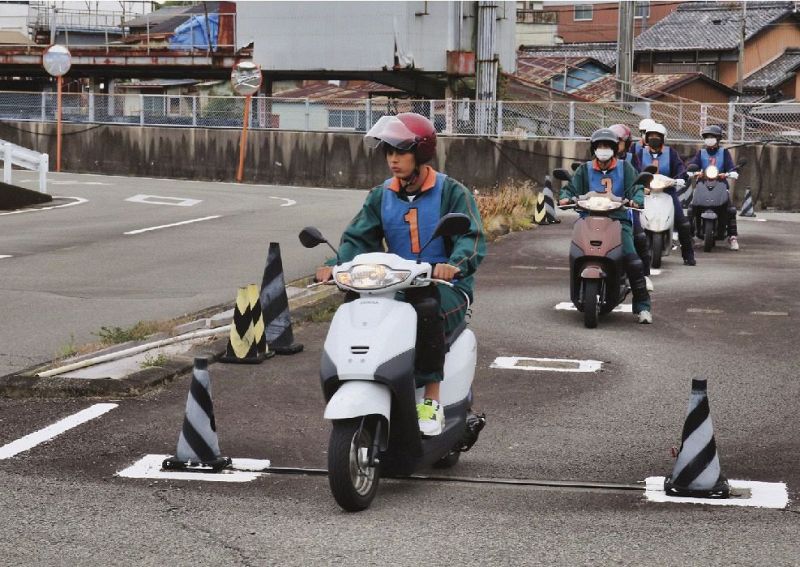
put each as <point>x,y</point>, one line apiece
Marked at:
<point>733,175</point>
<point>680,183</point>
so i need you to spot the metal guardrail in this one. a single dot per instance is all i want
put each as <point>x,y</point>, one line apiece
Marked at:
<point>502,119</point>
<point>12,154</point>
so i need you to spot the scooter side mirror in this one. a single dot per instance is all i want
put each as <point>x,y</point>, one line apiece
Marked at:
<point>562,174</point>
<point>651,169</point>
<point>693,168</point>
<point>310,237</point>
<point>452,224</point>
<point>644,178</point>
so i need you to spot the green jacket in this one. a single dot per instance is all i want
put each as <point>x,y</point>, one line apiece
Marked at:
<point>579,185</point>
<point>365,232</point>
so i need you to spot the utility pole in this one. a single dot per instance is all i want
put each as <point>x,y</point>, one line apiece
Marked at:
<point>487,65</point>
<point>625,50</point>
<point>740,65</point>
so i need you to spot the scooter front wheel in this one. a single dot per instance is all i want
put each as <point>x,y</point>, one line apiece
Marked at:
<point>656,249</point>
<point>708,235</point>
<point>591,303</point>
<point>353,480</point>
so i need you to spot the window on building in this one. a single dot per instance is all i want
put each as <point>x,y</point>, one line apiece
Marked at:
<point>642,9</point>
<point>583,12</point>
<point>174,106</point>
<point>347,119</point>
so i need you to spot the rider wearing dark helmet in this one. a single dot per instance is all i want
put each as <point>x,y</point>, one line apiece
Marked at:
<point>607,174</point>
<point>713,154</point>
<point>403,211</point>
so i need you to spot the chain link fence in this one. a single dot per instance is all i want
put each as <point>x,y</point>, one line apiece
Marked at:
<point>741,122</point>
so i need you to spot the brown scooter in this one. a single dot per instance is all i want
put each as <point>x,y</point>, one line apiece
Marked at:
<point>598,281</point>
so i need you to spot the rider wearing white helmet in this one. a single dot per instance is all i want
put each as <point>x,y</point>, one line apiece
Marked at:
<point>644,124</point>
<point>669,163</point>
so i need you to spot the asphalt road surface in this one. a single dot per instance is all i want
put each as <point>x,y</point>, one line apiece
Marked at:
<point>729,320</point>
<point>66,272</point>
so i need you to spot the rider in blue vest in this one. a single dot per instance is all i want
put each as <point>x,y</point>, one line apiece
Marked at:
<point>644,124</point>
<point>403,211</point>
<point>640,240</point>
<point>669,163</point>
<point>713,154</point>
<point>605,172</point>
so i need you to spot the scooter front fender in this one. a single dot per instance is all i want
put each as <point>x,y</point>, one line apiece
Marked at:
<point>593,273</point>
<point>710,215</point>
<point>357,398</point>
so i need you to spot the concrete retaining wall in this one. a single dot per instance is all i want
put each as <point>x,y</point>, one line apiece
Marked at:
<point>341,159</point>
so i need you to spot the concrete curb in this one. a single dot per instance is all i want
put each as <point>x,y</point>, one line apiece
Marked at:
<point>25,384</point>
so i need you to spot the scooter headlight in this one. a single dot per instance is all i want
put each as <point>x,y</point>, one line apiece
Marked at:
<point>712,172</point>
<point>371,276</point>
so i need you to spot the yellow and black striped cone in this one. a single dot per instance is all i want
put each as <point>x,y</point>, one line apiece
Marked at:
<point>275,304</point>
<point>697,471</point>
<point>538,211</point>
<point>747,206</point>
<point>198,446</point>
<point>259,338</point>
<point>242,347</point>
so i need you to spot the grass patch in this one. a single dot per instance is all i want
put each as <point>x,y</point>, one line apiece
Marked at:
<point>324,314</point>
<point>151,361</point>
<point>508,208</point>
<point>117,335</point>
<point>69,349</point>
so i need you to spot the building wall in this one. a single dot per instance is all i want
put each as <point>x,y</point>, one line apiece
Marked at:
<point>701,92</point>
<point>536,34</point>
<point>342,160</point>
<point>604,22</point>
<point>769,44</point>
<point>366,36</point>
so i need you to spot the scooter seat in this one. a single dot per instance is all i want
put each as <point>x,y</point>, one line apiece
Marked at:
<point>451,337</point>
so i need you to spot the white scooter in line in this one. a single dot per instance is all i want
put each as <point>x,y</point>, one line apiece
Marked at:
<point>367,375</point>
<point>658,218</point>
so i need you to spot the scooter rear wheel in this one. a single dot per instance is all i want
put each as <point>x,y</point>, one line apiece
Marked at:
<point>352,479</point>
<point>591,303</point>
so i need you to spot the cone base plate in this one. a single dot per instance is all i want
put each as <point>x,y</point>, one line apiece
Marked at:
<point>175,464</point>
<point>252,360</point>
<point>720,490</point>
<point>291,349</point>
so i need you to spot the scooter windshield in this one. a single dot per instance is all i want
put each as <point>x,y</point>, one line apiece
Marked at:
<point>391,130</point>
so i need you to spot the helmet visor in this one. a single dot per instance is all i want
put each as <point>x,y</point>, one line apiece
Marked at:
<point>392,131</point>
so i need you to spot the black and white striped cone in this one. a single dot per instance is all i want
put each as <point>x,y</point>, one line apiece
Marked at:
<point>549,202</point>
<point>198,446</point>
<point>685,195</point>
<point>747,207</point>
<point>539,209</point>
<point>242,347</point>
<point>697,471</point>
<point>275,304</point>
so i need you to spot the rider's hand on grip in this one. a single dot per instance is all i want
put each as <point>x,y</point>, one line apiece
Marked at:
<point>733,175</point>
<point>323,274</point>
<point>563,201</point>
<point>445,272</point>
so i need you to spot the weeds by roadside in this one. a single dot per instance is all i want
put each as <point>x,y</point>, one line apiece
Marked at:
<point>151,361</point>
<point>117,335</point>
<point>509,208</point>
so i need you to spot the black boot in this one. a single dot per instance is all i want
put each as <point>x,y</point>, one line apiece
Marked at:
<point>642,245</point>
<point>685,238</point>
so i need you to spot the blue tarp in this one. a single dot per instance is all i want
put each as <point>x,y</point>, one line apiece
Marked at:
<point>194,33</point>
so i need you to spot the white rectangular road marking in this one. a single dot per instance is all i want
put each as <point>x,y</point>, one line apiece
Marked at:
<point>770,313</point>
<point>567,306</point>
<point>762,494</point>
<point>546,364</point>
<point>59,427</point>
<point>149,466</point>
<point>159,200</point>
<point>524,267</point>
<point>5,256</point>
<point>141,230</point>
<point>655,272</point>
<point>752,219</point>
<point>701,310</point>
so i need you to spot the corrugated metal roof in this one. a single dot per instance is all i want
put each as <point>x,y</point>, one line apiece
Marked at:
<point>645,85</point>
<point>323,90</point>
<point>692,26</point>
<point>775,72</point>
<point>605,53</point>
<point>541,69</point>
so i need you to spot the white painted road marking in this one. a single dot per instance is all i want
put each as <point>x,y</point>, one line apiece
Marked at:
<point>78,201</point>
<point>770,313</point>
<point>73,182</point>
<point>762,494</point>
<point>5,256</point>
<point>556,268</point>
<point>752,219</point>
<point>149,466</point>
<point>159,200</point>
<point>546,364</point>
<point>567,306</point>
<point>655,272</point>
<point>705,311</point>
<point>524,268</point>
<point>59,427</point>
<point>141,230</point>
<point>288,203</point>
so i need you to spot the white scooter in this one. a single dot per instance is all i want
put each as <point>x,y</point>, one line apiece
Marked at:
<point>367,375</point>
<point>658,218</point>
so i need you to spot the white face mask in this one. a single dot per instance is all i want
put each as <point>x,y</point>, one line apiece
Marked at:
<point>603,154</point>
<point>710,142</point>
